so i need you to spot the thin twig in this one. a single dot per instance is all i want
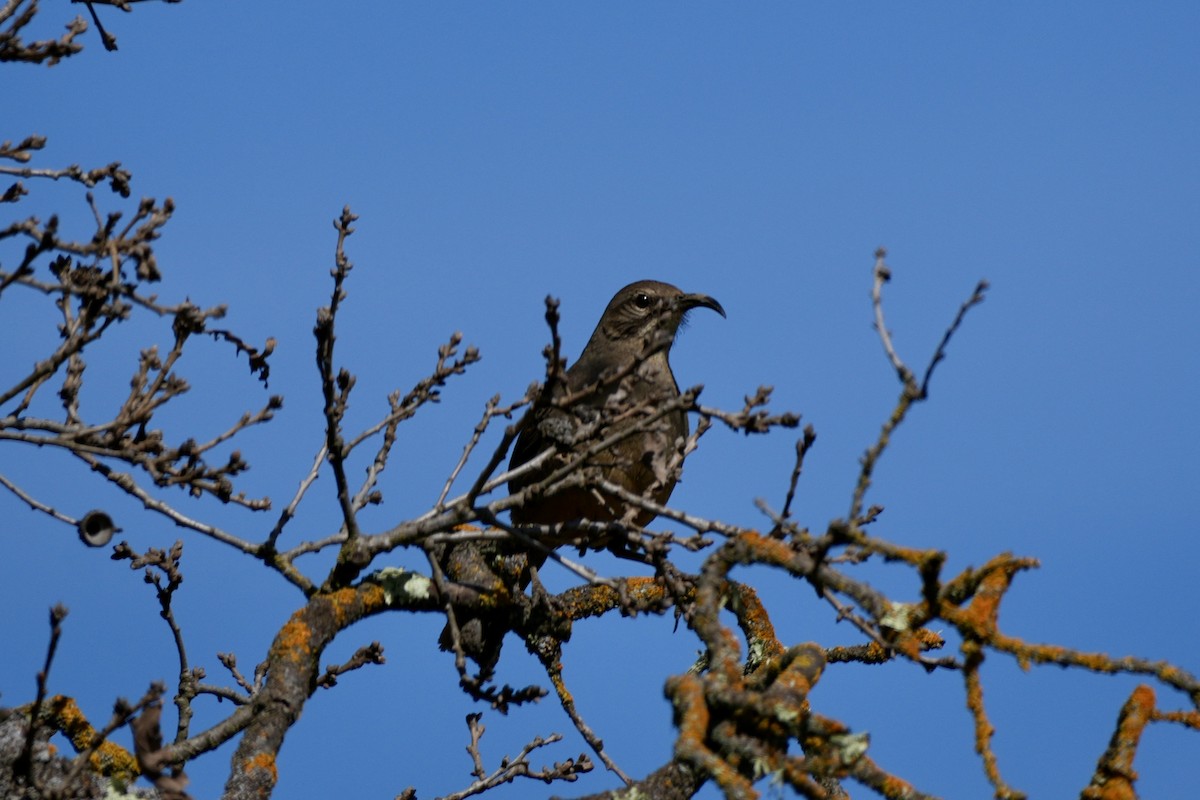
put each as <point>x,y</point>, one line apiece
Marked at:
<point>489,412</point>
<point>882,274</point>
<point>975,299</point>
<point>512,768</point>
<point>553,667</point>
<point>35,504</point>
<point>803,444</point>
<point>290,510</point>
<point>57,614</point>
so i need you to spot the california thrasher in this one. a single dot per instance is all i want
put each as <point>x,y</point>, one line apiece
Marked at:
<point>614,390</point>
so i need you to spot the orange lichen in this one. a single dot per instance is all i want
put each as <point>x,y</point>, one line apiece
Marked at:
<point>766,549</point>
<point>908,644</point>
<point>373,597</point>
<point>1189,718</point>
<point>984,730</point>
<point>596,600</point>
<point>560,687</point>
<point>693,719</point>
<point>109,759</point>
<point>1114,776</point>
<point>984,610</point>
<point>895,788</point>
<point>68,718</point>
<point>755,621</point>
<point>346,606</point>
<point>930,640</point>
<point>294,642</point>
<point>264,761</point>
<point>114,761</point>
<point>645,590</point>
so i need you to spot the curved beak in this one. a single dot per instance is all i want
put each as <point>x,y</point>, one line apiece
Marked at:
<point>690,301</point>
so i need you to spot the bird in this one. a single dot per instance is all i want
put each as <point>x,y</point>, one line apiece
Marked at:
<point>617,386</point>
<point>614,390</point>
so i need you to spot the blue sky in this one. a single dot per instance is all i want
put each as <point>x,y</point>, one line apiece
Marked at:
<point>497,153</point>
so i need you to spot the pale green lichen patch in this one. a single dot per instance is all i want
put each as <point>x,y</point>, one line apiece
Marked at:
<point>112,791</point>
<point>787,715</point>
<point>757,651</point>
<point>850,746</point>
<point>397,582</point>
<point>418,586</point>
<point>897,617</point>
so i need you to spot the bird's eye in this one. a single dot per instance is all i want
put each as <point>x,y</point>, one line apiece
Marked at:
<point>641,300</point>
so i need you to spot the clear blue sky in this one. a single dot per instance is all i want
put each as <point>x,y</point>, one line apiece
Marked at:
<point>759,153</point>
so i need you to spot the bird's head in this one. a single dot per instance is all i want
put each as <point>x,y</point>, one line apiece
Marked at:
<point>649,311</point>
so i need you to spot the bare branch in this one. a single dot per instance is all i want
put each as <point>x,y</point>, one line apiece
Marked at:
<point>25,762</point>
<point>369,654</point>
<point>35,504</point>
<point>512,768</point>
